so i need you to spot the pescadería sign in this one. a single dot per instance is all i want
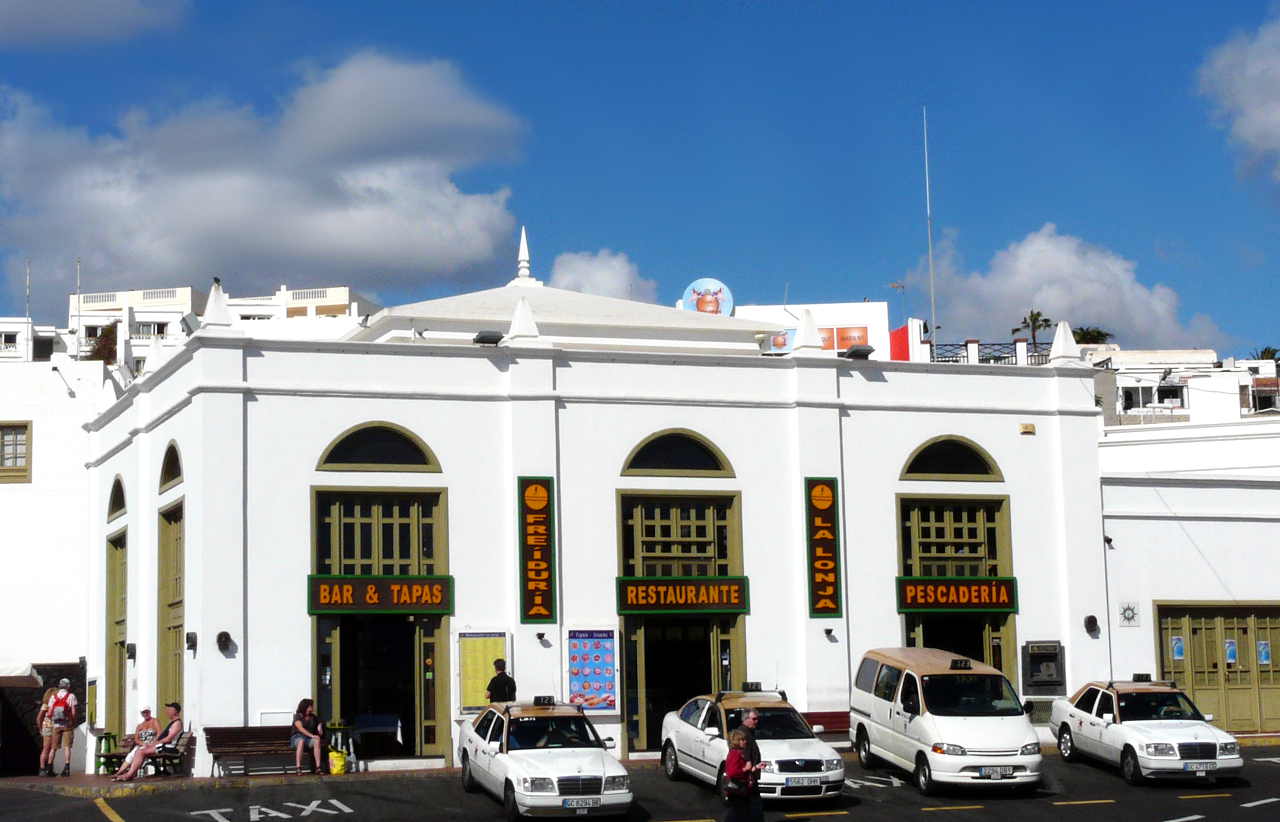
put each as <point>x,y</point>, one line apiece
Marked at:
<point>941,594</point>
<point>683,595</point>
<point>356,594</point>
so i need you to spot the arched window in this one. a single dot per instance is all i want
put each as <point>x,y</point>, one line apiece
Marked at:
<point>115,504</point>
<point>677,452</point>
<point>951,458</point>
<point>378,446</point>
<point>171,468</point>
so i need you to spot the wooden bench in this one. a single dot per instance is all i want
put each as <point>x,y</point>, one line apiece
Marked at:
<point>171,762</point>
<point>245,743</point>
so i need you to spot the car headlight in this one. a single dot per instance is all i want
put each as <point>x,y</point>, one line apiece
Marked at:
<point>766,766</point>
<point>832,764</point>
<point>1160,749</point>
<point>617,783</point>
<point>537,784</point>
<point>949,750</point>
<point>1030,748</point>
<point>1228,749</point>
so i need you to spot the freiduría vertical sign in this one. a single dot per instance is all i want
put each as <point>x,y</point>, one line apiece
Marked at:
<point>537,535</point>
<point>822,543</point>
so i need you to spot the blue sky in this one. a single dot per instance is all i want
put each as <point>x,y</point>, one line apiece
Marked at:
<point>1108,164</point>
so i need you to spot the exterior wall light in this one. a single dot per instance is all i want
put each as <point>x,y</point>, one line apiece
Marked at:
<point>1091,625</point>
<point>191,640</point>
<point>130,651</point>
<point>224,641</point>
<point>488,338</point>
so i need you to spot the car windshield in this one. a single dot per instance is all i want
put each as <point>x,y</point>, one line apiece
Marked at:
<point>775,723</point>
<point>528,732</point>
<point>1156,705</point>
<point>970,695</point>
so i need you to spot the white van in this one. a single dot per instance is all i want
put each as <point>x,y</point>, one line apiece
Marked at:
<point>943,717</point>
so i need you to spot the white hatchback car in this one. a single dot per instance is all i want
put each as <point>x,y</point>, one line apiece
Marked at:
<point>543,759</point>
<point>1149,729</point>
<point>797,763</point>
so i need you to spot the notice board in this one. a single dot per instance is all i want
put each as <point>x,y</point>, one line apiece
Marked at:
<point>476,653</point>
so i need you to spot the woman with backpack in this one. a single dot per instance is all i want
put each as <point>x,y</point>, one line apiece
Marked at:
<point>45,724</point>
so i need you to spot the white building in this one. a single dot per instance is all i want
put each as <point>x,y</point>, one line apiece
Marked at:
<point>1192,516</point>
<point>803,493</point>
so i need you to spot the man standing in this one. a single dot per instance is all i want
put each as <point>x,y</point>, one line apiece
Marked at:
<point>751,752</point>
<point>502,688</point>
<point>61,710</point>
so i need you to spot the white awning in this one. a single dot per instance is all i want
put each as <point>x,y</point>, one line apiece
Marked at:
<point>18,675</point>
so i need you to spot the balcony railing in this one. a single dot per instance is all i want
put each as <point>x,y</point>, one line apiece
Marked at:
<point>96,299</point>
<point>992,353</point>
<point>309,294</point>
<point>950,352</point>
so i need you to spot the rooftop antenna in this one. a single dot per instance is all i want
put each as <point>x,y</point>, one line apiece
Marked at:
<point>786,290</point>
<point>78,308</point>
<point>928,212</point>
<point>31,329</point>
<point>28,288</point>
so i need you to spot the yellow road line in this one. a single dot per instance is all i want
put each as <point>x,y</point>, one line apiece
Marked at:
<point>815,813</point>
<point>1204,795</point>
<point>107,810</point>
<point>1088,802</point>
<point>955,808</point>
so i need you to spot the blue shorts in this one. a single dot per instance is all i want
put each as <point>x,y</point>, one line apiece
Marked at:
<point>296,738</point>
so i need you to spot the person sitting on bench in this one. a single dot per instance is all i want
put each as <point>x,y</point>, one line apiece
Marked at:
<point>307,730</point>
<point>166,743</point>
<point>143,735</point>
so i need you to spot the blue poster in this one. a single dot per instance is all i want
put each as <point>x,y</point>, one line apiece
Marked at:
<point>1178,649</point>
<point>593,681</point>
<point>1231,651</point>
<point>1264,652</point>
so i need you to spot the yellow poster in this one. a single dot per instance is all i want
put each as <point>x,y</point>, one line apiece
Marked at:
<point>476,653</point>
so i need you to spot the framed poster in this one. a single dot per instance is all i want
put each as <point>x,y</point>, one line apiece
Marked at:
<point>476,653</point>
<point>1177,648</point>
<point>593,669</point>
<point>1233,655</point>
<point>1264,652</point>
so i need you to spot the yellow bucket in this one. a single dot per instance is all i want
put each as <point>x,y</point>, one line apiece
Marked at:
<point>337,762</point>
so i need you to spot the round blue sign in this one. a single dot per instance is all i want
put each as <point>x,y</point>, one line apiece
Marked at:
<point>708,296</point>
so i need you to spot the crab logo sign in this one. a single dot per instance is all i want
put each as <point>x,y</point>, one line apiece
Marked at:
<point>708,295</point>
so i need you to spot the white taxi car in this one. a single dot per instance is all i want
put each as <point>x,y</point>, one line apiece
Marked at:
<point>1149,729</point>
<point>543,759</point>
<point>796,763</point>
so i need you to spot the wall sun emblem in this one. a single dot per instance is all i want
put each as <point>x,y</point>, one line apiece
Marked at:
<point>1128,614</point>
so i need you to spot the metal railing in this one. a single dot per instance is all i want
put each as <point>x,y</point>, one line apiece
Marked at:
<point>998,353</point>
<point>101,297</point>
<point>1038,354</point>
<point>309,294</point>
<point>950,352</point>
<point>159,294</point>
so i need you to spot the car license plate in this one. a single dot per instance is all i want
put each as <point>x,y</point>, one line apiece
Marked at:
<point>999,772</point>
<point>1199,766</point>
<point>593,802</point>
<point>798,781</point>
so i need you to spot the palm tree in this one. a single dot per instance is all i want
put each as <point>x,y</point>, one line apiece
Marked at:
<point>1269,352</point>
<point>1091,334</point>
<point>1033,322</point>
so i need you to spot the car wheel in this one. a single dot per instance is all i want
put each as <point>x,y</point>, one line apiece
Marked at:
<point>510,808</point>
<point>866,759</point>
<point>1067,745</point>
<point>1129,767</point>
<point>468,779</point>
<point>670,765</point>
<point>924,776</point>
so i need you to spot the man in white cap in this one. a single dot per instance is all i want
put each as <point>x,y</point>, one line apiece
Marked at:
<point>61,710</point>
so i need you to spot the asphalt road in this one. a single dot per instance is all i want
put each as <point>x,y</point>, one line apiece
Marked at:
<point>1077,793</point>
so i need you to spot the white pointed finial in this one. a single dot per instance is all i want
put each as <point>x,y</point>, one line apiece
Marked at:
<point>522,259</point>
<point>1064,350</point>
<point>215,310</point>
<point>807,336</point>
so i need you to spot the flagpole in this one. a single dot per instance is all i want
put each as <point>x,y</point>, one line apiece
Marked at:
<point>78,308</point>
<point>928,212</point>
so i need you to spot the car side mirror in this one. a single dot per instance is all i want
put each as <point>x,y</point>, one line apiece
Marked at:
<point>609,744</point>
<point>819,729</point>
<point>1108,719</point>
<point>1027,706</point>
<point>711,730</point>
<point>1208,717</point>
<point>494,745</point>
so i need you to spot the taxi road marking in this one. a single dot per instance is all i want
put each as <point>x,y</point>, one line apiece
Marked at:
<point>1088,802</point>
<point>1259,802</point>
<point>107,810</point>
<point>1203,795</point>
<point>955,808</point>
<point>1185,819</point>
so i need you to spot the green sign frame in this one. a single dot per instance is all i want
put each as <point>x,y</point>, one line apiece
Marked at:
<point>970,585</point>
<point>738,581</point>
<point>382,586</point>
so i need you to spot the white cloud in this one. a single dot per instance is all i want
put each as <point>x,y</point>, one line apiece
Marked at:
<point>35,22</point>
<point>1065,278</point>
<point>351,182</point>
<point>606,273</point>
<point>1242,78</point>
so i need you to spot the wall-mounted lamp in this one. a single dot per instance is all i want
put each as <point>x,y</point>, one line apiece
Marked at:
<point>224,641</point>
<point>542,639</point>
<point>1107,541</point>
<point>130,651</point>
<point>540,635</point>
<point>191,640</point>
<point>1091,625</point>
<point>830,634</point>
<point>487,338</point>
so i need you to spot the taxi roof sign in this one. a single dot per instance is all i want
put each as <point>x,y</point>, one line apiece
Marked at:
<point>961,664</point>
<point>544,701</point>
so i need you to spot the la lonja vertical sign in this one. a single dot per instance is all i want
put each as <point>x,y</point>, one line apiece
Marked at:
<point>822,543</point>
<point>537,542</point>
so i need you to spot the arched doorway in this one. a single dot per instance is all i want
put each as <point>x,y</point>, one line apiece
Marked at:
<point>949,542</point>
<point>674,545</point>
<point>382,667</point>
